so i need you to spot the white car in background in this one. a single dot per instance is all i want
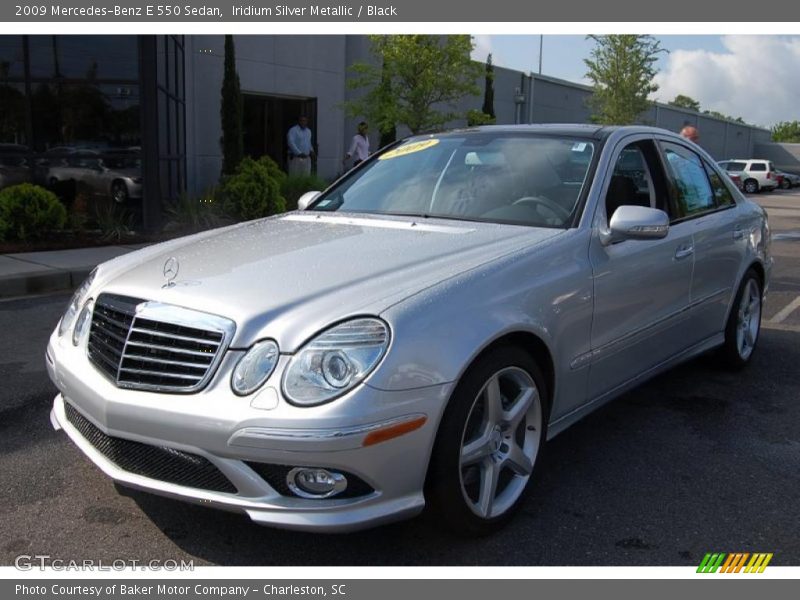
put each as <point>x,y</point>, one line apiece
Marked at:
<point>756,174</point>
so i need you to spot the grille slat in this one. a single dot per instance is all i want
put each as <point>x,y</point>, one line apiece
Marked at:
<point>161,374</point>
<point>172,336</point>
<point>156,462</point>
<point>163,361</point>
<point>182,351</point>
<point>142,345</point>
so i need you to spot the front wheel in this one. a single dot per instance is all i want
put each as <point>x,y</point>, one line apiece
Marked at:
<point>786,184</point>
<point>488,444</point>
<point>119,192</point>
<point>744,323</point>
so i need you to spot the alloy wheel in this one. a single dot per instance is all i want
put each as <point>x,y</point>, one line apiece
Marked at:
<point>500,442</point>
<point>749,319</point>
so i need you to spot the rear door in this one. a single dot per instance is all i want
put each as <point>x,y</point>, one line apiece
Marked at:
<point>707,207</point>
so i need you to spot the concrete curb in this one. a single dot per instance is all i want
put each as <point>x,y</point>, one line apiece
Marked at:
<point>30,284</point>
<point>32,273</point>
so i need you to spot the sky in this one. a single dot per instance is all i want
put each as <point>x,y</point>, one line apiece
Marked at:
<point>756,77</point>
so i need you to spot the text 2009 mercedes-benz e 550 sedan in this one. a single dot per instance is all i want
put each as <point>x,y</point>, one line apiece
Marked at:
<point>417,333</point>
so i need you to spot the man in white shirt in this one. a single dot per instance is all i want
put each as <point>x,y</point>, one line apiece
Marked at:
<point>359,147</point>
<point>300,148</point>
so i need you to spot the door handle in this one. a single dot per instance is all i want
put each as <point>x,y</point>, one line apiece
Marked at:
<point>684,252</point>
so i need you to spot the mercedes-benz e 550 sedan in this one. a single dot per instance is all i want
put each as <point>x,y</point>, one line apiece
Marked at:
<point>415,333</point>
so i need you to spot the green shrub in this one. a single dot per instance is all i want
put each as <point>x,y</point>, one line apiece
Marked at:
<point>30,211</point>
<point>195,213</point>
<point>295,186</point>
<point>113,221</point>
<point>273,169</point>
<point>3,228</point>
<point>475,118</point>
<point>251,193</point>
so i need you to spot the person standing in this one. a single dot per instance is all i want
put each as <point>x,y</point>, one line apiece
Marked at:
<point>359,147</point>
<point>301,149</point>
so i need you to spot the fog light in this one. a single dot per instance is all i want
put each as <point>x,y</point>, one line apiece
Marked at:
<point>315,483</point>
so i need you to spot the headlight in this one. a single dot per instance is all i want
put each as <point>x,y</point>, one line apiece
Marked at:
<point>83,323</point>
<point>75,304</point>
<point>335,361</point>
<point>254,368</point>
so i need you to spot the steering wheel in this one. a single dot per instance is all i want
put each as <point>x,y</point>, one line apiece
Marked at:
<point>553,207</point>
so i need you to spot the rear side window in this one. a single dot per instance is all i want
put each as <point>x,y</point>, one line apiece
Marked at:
<point>758,167</point>
<point>733,166</point>
<point>722,195</point>
<point>692,192</point>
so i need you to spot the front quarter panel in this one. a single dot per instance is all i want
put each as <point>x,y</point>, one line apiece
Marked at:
<point>545,291</point>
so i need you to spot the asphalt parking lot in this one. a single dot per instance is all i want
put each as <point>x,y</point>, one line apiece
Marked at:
<point>697,460</point>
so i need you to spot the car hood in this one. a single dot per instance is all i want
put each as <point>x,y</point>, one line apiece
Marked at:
<point>289,276</point>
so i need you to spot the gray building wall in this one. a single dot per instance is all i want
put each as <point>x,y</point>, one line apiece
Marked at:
<point>276,65</point>
<point>785,157</point>
<point>318,67</point>
<point>559,101</point>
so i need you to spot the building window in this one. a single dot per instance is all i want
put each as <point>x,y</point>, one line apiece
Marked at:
<point>70,118</point>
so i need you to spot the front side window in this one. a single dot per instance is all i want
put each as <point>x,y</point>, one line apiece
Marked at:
<point>494,177</point>
<point>692,192</point>
<point>722,195</point>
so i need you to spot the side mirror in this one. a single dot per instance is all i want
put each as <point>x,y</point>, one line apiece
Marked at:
<point>635,223</point>
<point>307,199</point>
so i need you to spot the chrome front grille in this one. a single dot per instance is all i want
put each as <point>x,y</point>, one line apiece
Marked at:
<point>153,346</point>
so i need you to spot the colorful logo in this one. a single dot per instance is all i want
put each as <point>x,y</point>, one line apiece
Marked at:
<point>734,562</point>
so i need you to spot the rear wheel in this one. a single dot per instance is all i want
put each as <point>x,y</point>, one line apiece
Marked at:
<point>488,443</point>
<point>119,192</point>
<point>751,186</point>
<point>744,323</point>
<point>786,184</point>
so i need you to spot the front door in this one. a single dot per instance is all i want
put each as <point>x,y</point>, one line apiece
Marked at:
<point>641,287</point>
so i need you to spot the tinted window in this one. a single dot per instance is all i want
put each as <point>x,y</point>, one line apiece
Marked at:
<point>758,167</point>
<point>84,56</point>
<point>528,180</point>
<point>722,195</point>
<point>691,190</point>
<point>733,166</point>
<point>630,183</point>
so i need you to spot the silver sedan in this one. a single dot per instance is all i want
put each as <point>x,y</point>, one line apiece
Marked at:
<point>414,334</point>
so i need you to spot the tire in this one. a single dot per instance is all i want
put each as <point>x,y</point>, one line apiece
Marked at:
<point>786,184</point>
<point>119,192</point>
<point>482,463</point>
<point>744,323</point>
<point>750,186</point>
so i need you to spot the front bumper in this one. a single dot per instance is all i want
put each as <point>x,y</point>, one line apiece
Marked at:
<point>229,431</point>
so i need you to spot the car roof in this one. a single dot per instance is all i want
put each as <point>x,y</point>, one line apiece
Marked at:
<point>582,130</point>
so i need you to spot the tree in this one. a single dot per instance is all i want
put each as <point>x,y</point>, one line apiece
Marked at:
<point>622,68</point>
<point>718,115</point>
<point>786,131</point>
<point>488,89</point>
<point>687,102</point>
<point>420,79</point>
<point>232,140</point>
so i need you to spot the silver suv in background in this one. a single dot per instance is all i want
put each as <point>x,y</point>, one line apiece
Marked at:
<point>756,174</point>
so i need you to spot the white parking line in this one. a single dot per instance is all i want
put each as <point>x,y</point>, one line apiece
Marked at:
<point>781,315</point>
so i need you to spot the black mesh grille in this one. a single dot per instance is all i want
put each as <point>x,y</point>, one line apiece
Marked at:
<point>142,353</point>
<point>155,462</point>
<point>275,476</point>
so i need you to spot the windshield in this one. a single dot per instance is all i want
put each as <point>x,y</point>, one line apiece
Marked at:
<point>526,180</point>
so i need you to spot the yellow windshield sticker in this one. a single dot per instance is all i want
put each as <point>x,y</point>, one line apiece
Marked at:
<point>408,149</point>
